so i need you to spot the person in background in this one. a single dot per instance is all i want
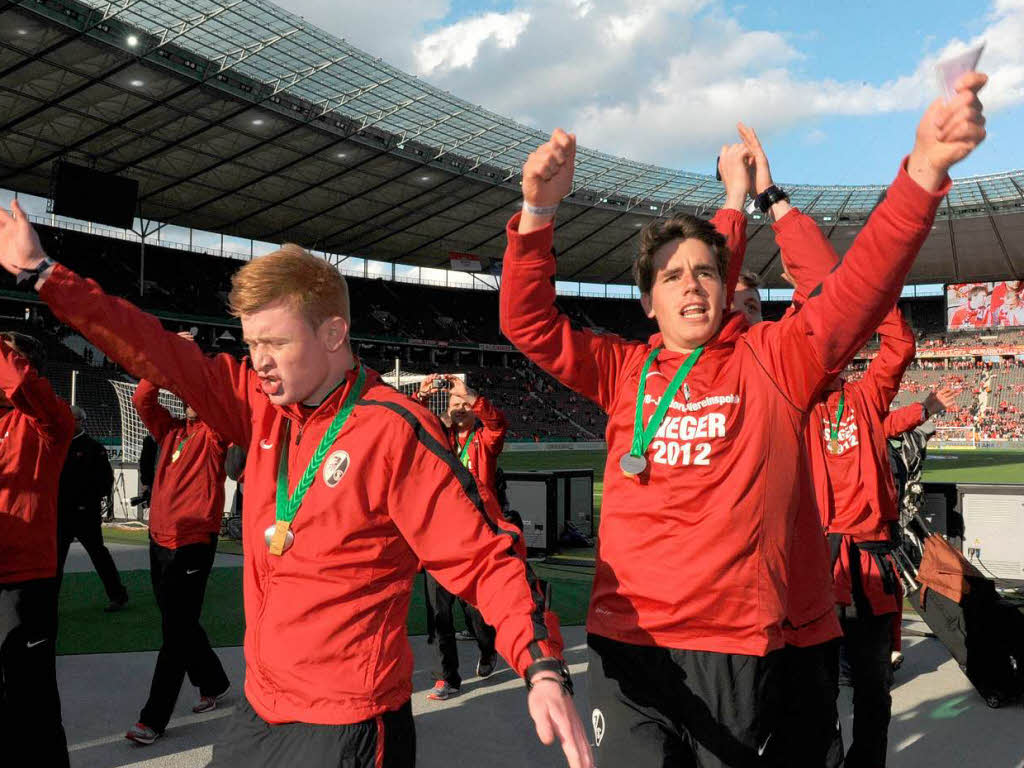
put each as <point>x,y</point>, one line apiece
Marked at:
<point>35,430</point>
<point>85,481</point>
<point>476,432</point>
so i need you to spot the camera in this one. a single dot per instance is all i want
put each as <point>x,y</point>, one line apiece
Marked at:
<point>440,384</point>
<point>142,498</point>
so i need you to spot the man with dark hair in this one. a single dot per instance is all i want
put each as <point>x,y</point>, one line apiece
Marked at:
<point>476,431</point>
<point>747,297</point>
<point>690,587</point>
<point>184,522</point>
<point>85,481</point>
<point>35,431</point>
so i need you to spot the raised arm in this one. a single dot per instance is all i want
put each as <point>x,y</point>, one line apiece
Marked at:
<point>885,372</point>
<point>492,419</point>
<point>32,395</point>
<point>914,415</point>
<point>473,556</point>
<point>218,388</point>
<point>158,420</point>
<point>734,166</point>
<point>904,419</point>
<point>582,360</point>
<point>811,347</point>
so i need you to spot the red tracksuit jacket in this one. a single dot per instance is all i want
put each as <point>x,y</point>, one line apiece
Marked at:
<point>34,439</point>
<point>695,554</point>
<point>855,491</point>
<point>905,419</point>
<point>325,638</point>
<point>188,493</point>
<point>488,440</point>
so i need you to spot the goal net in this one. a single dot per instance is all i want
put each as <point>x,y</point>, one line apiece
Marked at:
<point>954,437</point>
<point>409,384</point>
<point>132,429</point>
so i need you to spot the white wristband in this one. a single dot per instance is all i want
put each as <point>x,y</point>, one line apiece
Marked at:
<point>540,210</point>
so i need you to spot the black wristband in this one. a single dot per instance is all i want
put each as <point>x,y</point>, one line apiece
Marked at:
<point>770,197</point>
<point>550,665</point>
<point>33,274</point>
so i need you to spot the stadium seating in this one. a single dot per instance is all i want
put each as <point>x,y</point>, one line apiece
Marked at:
<point>190,289</point>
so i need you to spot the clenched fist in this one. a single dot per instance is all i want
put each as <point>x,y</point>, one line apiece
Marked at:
<point>547,177</point>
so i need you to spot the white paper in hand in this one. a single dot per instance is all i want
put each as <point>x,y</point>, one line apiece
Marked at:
<point>949,70</point>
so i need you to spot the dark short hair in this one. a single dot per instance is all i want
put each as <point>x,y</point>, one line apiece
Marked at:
<point>27,346</point>
<point>682,226</point>
<point>750,279</point>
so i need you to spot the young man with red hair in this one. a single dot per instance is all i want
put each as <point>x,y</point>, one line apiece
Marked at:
<point>690,588</point>
<point>36,428</point>
<point>349,487</point>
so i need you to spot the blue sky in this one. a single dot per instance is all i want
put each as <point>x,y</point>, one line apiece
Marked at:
<point>835,89</point>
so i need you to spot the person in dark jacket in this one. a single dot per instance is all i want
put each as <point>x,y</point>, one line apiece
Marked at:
<point>87,479</point>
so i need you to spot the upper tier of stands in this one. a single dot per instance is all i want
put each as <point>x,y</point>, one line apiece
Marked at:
<point>391,318</point>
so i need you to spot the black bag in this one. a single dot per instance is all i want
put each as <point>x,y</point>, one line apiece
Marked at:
<point>985,635</point>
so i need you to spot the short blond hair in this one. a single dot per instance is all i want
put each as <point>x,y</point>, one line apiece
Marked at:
<point>292,274</point>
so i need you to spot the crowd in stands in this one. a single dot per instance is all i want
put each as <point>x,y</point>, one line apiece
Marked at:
<point>190,289</point>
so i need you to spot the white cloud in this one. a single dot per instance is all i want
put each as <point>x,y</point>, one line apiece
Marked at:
<point>656,80</point>
<point>457,46</point>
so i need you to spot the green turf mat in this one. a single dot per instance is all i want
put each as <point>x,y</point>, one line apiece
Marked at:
<point>85,628</point>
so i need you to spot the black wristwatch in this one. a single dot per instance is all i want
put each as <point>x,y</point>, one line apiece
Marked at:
<point>550,665</point>
<point>770,197</point>
<point>34,273</point>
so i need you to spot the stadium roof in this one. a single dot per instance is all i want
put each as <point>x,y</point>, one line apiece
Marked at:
<point>239,117</point>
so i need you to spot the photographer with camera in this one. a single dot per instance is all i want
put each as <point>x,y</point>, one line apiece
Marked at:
<point>85,481</point>
<point>476,432</point>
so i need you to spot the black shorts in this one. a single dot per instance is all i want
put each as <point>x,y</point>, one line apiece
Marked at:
<point>665,708</point>
<point>387,741</point>
<point>807,734</point>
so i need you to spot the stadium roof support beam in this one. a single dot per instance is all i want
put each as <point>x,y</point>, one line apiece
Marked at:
<point>1011,269</point>
<point>952,240</point>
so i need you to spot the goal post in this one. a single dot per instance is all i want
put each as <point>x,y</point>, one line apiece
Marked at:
<point>409,384</point>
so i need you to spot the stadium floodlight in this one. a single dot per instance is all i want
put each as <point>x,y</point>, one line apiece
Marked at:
<point>257,121</point>
<point>137,83</point>
<point>132,40</point>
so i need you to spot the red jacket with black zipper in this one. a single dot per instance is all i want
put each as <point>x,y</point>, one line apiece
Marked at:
<point>854,487</point>
<point>325,638</point>
<point>35,432</point>
<point>694,554</point>
<point>187,501</point>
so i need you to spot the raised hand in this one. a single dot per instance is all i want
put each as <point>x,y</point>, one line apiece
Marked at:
<point>19,245</point>
<point>941,400</point>
<point>735,163</point>
<point>547,177</point>
<point>459,388</point>
<point>762,170</point>
<point>187,335</point>
<point>948,132</point>
<point>427,385</point>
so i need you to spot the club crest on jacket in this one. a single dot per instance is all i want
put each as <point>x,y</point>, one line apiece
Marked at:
<point>335,468</point>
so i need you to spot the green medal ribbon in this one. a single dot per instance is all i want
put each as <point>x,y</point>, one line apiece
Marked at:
<point>833,430</point>
<point>464,453</point>
<point>177,451</point>
<point>642,437</point>
<point>288,506</point>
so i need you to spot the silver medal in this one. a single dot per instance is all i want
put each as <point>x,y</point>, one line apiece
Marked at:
<point>268,536</point>
<point>632,465</point>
